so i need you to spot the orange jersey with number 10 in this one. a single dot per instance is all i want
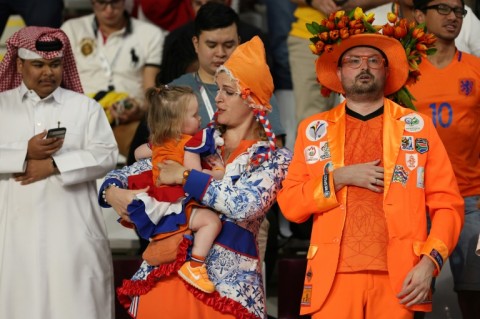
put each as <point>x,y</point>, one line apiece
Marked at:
<point>451,97</point>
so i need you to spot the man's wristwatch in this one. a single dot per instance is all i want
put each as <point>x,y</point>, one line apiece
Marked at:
<point>54,164</point>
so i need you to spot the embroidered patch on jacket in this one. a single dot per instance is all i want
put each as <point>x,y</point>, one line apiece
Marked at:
<point>312,154</point>
<point>316,130</point>
<point>413,122</point>
<point>306,296</point>
<point>438,258</point>
<point>411,160</point>
<point>87,45</point>
<point>407,143</point>
<point>309,274</point>
<point>324,151</point>
<point>467,86</point>
<point>326,185</point>
<point>421,177</point>
<point>421,145</point>
<point>400,175</point>
<point>328,168</point>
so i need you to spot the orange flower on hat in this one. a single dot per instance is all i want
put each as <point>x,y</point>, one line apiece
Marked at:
<point>339,26</point>
<point>418,44</point>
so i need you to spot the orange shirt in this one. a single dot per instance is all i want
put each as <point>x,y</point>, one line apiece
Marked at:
<point>172,150</point>
<point>451,97</point>
<point>365,236</point>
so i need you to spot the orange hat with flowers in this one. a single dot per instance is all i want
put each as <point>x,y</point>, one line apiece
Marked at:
<point>402,43</point>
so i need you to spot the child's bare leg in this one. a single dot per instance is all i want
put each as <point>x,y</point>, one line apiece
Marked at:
<point>206,224</point>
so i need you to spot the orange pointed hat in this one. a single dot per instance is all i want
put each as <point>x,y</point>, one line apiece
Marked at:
<point>248,65</point>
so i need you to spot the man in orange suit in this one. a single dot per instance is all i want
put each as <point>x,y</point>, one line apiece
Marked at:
<point>368,171</point>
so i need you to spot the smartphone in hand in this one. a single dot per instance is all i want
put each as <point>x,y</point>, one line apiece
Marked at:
<point>57,132</point>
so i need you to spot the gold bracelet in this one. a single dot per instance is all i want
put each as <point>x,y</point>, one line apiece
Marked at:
<point>104,192</point>
<point>186,173</point>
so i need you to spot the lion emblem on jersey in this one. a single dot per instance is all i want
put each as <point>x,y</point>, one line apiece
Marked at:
<point>467,86</point>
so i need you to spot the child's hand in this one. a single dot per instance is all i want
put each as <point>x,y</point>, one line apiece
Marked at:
<point>213,160</point>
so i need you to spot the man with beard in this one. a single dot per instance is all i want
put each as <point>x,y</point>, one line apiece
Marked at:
<point>55,261</point>
<point>449,92</point>
<point>367,171</point>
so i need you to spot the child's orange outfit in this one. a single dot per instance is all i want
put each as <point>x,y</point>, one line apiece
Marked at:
<point>172,149</point>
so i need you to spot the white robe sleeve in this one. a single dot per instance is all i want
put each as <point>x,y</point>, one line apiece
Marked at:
<point>97,151</point>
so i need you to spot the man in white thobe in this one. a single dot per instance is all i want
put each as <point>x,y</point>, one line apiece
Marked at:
<point>55,261</point>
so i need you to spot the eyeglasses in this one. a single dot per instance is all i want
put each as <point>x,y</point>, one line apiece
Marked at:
<point>356,61</point>
<point>445,10</point>
<point>102,4</point>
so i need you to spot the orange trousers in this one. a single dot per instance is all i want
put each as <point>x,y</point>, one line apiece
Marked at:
<point>362,295</point>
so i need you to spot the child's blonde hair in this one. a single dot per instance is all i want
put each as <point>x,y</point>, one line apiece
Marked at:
<point>167,106</point>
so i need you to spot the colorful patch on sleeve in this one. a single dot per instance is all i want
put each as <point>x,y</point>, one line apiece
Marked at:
<point>306,296</point>
<point>411,160</point>
<point>309,274</point>
<point>312,154</point>
<point>316,130</point>
<point>407,143</point>
<point>400,175</point>
<point>324,151</point>
<point>328,168</point>
<point>421,177</point>
<point>421,145</point>
<point>413,122</point>
<point>467,87</point>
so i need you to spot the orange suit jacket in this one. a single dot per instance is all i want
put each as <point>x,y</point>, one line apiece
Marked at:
<point>418,177</point>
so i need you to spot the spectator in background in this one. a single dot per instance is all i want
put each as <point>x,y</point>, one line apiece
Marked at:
<point>55,259</point>
<point>118,58</point>
<point>44,13</point>
<point>466,41</point>
<point>179,56</point>
<point>449,92</point>
<point>167,14</point>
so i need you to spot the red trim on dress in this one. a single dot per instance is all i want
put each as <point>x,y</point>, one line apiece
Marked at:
<point>214,300</point>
